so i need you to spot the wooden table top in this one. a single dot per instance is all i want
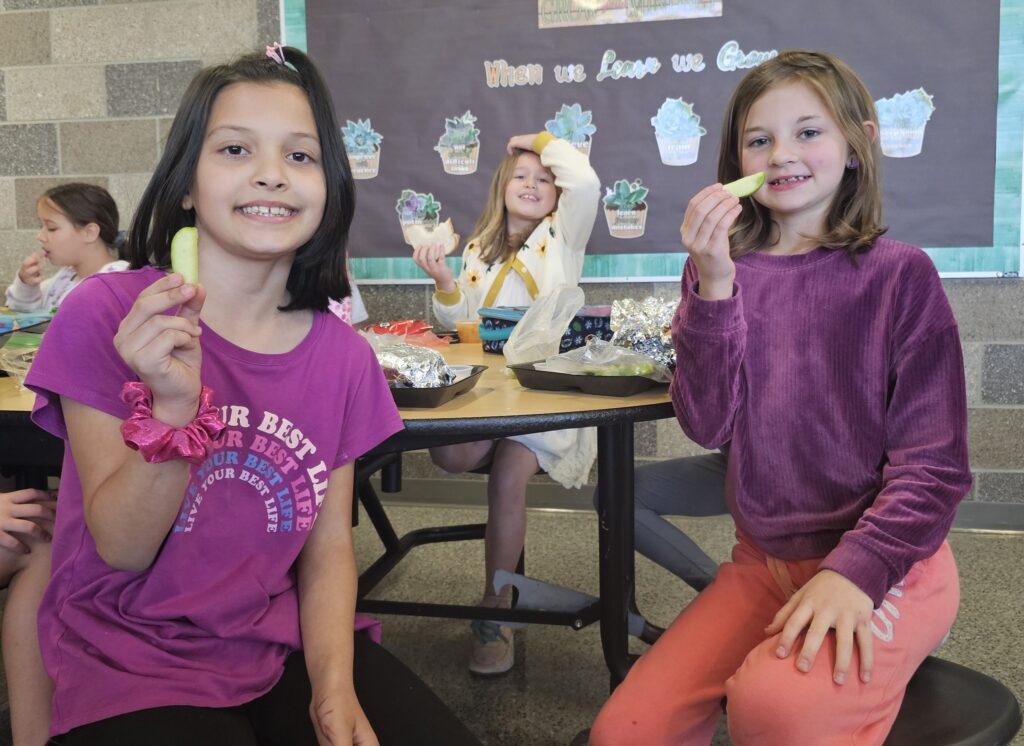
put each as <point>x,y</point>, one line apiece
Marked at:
<point>496,394</point>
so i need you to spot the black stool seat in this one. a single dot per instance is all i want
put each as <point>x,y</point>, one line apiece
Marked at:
<point>949,705</point>
<point>946,705</point>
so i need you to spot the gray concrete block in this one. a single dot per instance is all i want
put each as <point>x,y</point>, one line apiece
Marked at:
<point>1002,374</point>
<point>147,88</point>
<point>127,189</point>
<point>994,437</point>
<point>24,38</point>
<point>988,310</point>
<point>268,21</point>
<point>392,302</point>
<point>3,97</point>
<point>973,354</point>
<point>55,92</point>
<point>603,293</point>
<point>111,146</point>
<point>645,439</point>
<point>41,4</point>
<point>147,32</point>
<point>999,486</point>
<point>14,247</point>
<point>28,191</point>
<point>8,215</point>
<point>28,149</point>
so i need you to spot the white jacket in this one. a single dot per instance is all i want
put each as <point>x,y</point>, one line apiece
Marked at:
<point>551,256</point>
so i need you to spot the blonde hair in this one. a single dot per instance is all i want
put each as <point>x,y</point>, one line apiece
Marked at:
<point>854,218</point>
<point>491,231</point>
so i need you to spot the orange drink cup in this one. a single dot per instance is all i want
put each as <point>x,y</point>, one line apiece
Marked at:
<point>468,329</point>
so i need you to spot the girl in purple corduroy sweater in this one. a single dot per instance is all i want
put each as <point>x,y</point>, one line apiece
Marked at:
<point>828,358</point>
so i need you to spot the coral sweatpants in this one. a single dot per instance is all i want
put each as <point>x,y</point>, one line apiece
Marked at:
<point>717,648</point>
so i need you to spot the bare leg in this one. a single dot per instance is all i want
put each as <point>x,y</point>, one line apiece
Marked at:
<point>511,468</point>
<point>463,456</point>
<point>30,690</point>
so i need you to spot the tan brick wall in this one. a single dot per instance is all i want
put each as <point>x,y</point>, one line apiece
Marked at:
<point>87,90</point>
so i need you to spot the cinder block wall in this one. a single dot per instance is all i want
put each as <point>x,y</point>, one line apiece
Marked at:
<point>87,90</point>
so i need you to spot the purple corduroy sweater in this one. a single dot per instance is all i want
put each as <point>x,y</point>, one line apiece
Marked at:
<point>840,392</point>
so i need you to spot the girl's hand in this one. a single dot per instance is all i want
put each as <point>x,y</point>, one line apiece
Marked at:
<point>520,142</point>
<point>431,259</point>
<point>26,516</point>
<point>339,720</point>
<point>705,237</point>
<point>31,270</point>
<point>164,350</point>
<point>827,601</point>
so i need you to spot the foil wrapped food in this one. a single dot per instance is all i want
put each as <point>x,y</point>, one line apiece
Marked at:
<point>645,326</point>
<point>412,366</point>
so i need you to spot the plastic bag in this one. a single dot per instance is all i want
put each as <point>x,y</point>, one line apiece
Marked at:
<point>539,333</point>
<point>601,358</point>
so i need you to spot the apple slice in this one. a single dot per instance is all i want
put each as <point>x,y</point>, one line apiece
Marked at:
<point>746,186</point>
<point>185,254</point>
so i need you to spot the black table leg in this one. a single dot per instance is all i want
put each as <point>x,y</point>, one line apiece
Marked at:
<point>615,542</point>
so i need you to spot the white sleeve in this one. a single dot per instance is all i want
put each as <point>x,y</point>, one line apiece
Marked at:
<point>581,194</point>
<point>23,297</point>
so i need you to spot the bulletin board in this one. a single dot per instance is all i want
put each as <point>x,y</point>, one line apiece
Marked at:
<point>428,92</point>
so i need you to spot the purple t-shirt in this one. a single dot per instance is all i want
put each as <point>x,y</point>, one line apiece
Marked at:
<point>840,390</point>
<point>211,622</point>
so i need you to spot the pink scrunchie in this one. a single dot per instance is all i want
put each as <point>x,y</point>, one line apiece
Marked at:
<point>157,441</point>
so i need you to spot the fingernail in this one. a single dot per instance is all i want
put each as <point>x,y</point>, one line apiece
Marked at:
<point>804,665</point>
<point>840,678</point>
<point>865,676</point>
<point>780,651</point>
<point>188,290</point>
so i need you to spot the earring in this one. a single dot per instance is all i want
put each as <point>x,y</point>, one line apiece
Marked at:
<point>852,163</point>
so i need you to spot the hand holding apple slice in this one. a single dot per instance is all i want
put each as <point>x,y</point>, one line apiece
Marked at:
<point>418,235</point>
<point>746,186</point>
<point>185,254</point>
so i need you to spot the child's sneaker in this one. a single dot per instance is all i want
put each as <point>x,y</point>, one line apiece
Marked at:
<point>492,653</point>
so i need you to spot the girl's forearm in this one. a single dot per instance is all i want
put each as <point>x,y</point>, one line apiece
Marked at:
<point>130,513</point>
<point>327,601</point>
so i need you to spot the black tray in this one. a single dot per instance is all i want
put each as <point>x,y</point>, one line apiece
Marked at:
<point>435,397</point>
<point>601,385</point>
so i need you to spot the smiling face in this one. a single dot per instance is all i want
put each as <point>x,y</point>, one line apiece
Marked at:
<point>259,189</point>
<point>530,194</point>
<point>63,242</point>
<point>791,136</point>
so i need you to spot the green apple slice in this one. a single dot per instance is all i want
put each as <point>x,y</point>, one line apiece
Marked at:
<point>185,254</point>
<point>746,186</point>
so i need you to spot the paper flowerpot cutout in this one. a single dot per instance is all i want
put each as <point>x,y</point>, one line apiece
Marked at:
<point>574,125</point>
<point>459,146</point>
<point>416,208</point>
<point>625,209</point>
<point>678,132</point>
<point>362,144</point>
<point>901,122</point>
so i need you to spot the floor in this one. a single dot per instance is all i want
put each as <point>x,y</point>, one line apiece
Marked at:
<point>559,681</point>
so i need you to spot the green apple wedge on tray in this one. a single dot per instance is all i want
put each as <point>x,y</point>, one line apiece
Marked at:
<point>623,369</point>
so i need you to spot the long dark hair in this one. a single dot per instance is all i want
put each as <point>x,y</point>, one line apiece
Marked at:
<point>87,203</point>
<point>318,272</point>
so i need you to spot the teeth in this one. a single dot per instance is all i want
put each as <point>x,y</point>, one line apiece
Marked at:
<point>789,180</point>
<point>267,211</point>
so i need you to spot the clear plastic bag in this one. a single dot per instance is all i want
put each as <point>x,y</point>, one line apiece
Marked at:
<point>539,333</point>
<point>600,358</point>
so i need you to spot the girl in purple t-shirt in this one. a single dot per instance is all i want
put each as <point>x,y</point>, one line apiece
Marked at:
<point>828,358</point>
<point>204,581</point>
